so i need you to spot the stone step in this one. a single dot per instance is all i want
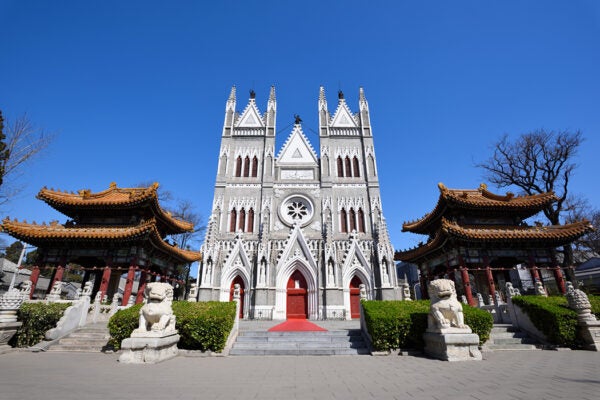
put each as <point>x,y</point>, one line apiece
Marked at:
<point>497,347</point>
<point>76,348</point>
<point>298,352</point>
<point>522,340</point>
<point>90,335</point>
<point>341,342</point>
<point>83,341</point>
<point>508,335</point>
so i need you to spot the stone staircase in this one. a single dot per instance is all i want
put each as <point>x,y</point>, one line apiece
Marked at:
<point>307,343</point>
<point>90,338</point>
<point>507,337</point>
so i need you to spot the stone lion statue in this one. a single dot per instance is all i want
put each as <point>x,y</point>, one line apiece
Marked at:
<point>446,310</point>
<point>26,289</point>
<point>156,315</point>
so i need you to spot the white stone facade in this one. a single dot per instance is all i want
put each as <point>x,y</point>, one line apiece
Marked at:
<point>278,213</point>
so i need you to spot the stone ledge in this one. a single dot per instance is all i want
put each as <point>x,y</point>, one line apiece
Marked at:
<point>148,350</point>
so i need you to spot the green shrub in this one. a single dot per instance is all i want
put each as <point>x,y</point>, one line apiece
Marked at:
<point>595,302</point>
<point>122,324</point>
<point>551,316</point>
<point>480,322</point>
<point>202,326</point>
<point>401,324</point>
<point>37,318</point>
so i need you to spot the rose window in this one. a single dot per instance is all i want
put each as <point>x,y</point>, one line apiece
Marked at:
<point>296,209</point>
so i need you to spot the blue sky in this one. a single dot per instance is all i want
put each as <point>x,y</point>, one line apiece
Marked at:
<point>135,90</point>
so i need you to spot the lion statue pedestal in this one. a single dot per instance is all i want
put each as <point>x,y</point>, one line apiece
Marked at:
<point>156,338</point>
<point>447,337</point>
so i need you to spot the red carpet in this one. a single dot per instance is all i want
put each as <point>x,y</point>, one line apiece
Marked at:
<point>292,325</point>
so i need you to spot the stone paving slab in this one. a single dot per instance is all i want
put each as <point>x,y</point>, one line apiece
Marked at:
<point>501,375</point>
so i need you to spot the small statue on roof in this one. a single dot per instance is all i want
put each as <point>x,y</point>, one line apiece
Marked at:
<point>252,94</point>
<point>298,120</point>
<point>340,94</point>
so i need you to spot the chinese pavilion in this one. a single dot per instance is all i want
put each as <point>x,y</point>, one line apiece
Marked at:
<point>483,236</point>
<point>109,233</point>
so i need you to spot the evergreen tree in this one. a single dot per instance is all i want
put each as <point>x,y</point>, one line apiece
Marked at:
<point>13,252</point>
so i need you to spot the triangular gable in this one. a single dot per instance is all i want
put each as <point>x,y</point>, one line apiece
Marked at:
<point>251,117</point>
<point>296,246</point>
<point>343,117</point>
<point>238,251</point>
<point>355,252</point>
<point>297,149</point>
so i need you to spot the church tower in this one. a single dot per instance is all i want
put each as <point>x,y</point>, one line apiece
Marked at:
<point>299,233</point>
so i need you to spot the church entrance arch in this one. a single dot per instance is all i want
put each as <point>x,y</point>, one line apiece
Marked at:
<point>297,296</point>
<point>238,279</point>
<point>355,297</point>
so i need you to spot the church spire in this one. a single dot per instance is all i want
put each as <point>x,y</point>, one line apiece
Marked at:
<point>322,99</point>
<point>271,112</point>
<point>231,100</point>
<point>362,100</point>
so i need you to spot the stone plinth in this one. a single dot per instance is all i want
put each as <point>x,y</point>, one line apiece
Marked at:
<point>590,331</point>
<point>7,331</point>
<point>148,350</point>
<point>450,345</point>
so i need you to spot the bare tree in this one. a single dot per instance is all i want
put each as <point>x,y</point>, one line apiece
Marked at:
<point>579,209</point>
<point>23,141</point>
<point>186,211</point>
<point>537,162</point>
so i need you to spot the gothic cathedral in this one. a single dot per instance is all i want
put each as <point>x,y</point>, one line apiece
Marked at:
<point>302,234</point>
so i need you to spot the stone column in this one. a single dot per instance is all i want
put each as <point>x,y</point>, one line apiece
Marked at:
<point>35,275</point>
<point>141,287</point>
<point>467,285</point>
<point>105,281</point>
<point>128,285</point>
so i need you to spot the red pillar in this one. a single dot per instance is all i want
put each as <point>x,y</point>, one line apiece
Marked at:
<point>35,274</point>
<point>128,285</point>
<point>560,280</point>
<point>535,275</point>
<point>57,276</point>
<point>105,281</point>
<point>141,287</point>
<point>467,285</point>
<point>491,285</point>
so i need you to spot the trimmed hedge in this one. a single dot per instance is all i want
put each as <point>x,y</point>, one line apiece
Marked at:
<point>552,316</point>
<point>37,319</point>
<point>202,326</point>
<point>401,324</point>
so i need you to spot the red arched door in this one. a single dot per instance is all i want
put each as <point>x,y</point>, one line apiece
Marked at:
<point>297,300</point>
<point>355,297</point>
<point>238,279</point>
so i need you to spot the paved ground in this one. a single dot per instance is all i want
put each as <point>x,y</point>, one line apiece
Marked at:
<point>501,375</point>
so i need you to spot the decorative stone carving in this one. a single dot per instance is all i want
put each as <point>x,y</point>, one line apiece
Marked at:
<point>499,299</point>
<point>511,291</point>
<point>236,292</point>
<point>362,290</point>
<point>26,289</point>
<point>446,311</point>
<point>480,302</point>
<point>55,292</point>
<point>539,288</point>
<point>87,289</point>
<point>193,295</point>
<point>463,299</point>
<point>579,302</point>
<point>9,304</point>
<point>491,300</point>
<point>405,290</point>
<point>156,315</point>
<point>156,338</point>
<point>447,337</point>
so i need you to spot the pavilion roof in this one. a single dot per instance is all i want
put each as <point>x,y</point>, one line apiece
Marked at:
<point>113,198</point>
<point>478,200</point>
<point>498,236</point>
<point>45,235</point>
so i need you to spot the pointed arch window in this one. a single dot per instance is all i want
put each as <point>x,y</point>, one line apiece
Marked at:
<point>343,221</point>
<point>242,223</point>
<point>361,220</point>
<point>238,166</point>
<point>246,167</point>
<point>356,167</point>
<point>250,220</point>
<point>352,220</point>
<point>340,167</point>
<point>348,167</point>
<point>232,220</point>
<point>254,167</point>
